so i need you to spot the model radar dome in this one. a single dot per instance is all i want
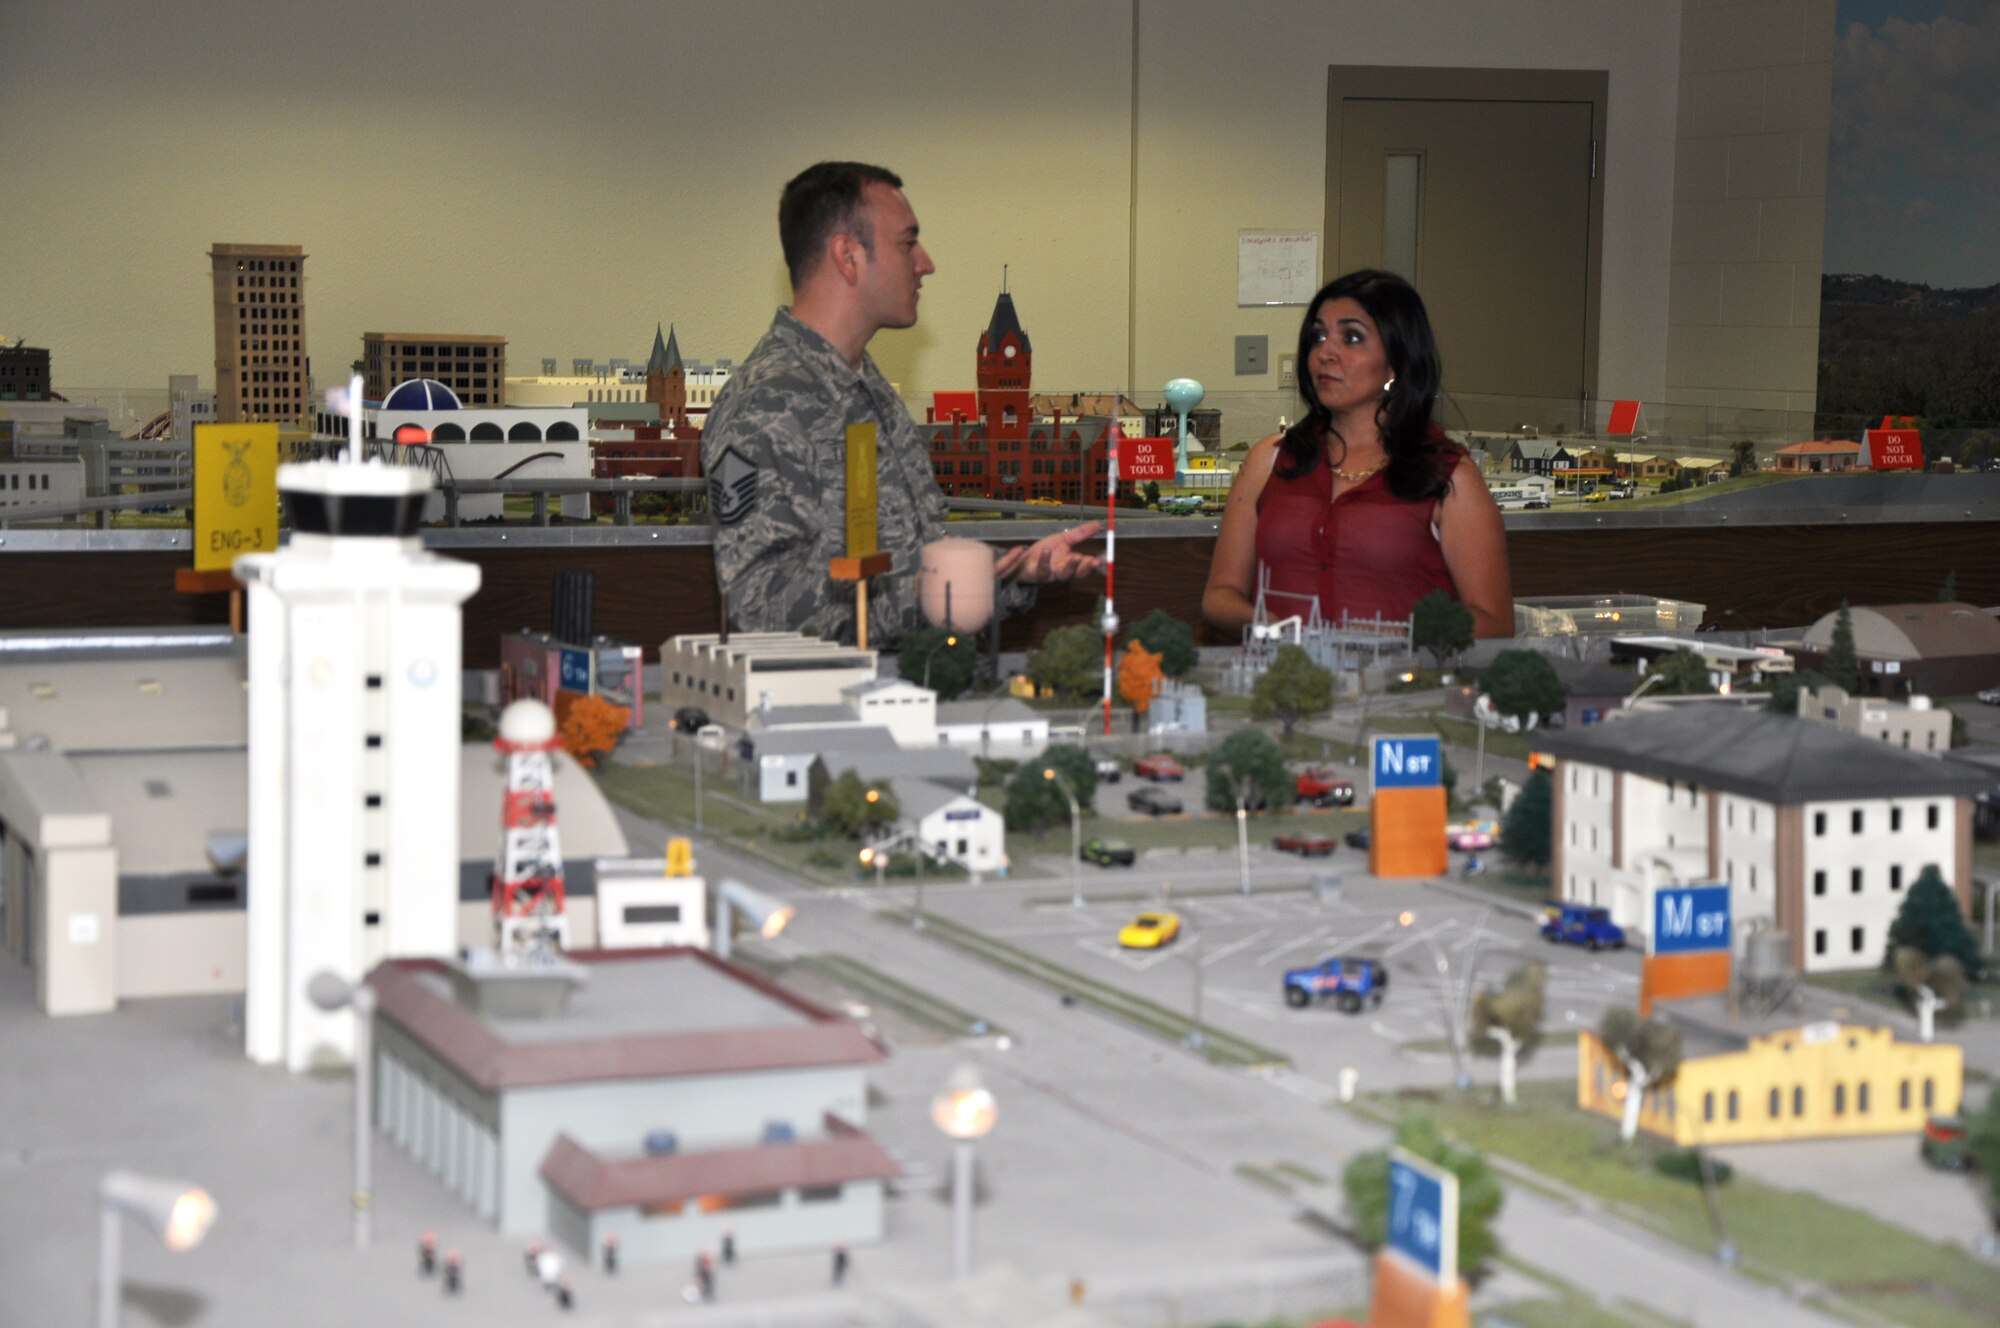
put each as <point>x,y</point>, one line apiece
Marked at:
<point>527,723</point>
<point>421,394</point>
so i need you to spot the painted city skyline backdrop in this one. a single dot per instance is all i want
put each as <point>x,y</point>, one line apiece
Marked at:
<point>1914,154</point>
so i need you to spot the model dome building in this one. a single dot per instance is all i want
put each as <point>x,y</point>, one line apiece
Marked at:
<point>421,394</point>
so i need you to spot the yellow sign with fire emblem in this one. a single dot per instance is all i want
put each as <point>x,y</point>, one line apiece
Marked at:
<point>235,492</point>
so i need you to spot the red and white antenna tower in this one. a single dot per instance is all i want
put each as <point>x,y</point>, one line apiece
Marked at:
<point>528,885</point>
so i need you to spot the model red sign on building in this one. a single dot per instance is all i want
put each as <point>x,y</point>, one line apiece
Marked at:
<point>1145,458</point>
<point>1895,449</point>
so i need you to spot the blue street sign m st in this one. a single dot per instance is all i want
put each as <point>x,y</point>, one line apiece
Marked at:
<point>1690,919</point>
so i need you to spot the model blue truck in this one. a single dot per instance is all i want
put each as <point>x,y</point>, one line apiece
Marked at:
<point>1581,924</point>
<point>1348,981</point>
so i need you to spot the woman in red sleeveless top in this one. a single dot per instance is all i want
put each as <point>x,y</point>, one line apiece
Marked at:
<point>1364,503</point>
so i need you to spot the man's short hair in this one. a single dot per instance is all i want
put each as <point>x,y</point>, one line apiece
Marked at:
<point>823,201</point>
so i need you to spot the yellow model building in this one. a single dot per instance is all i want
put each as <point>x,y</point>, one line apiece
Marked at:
<point>1821,1081</point>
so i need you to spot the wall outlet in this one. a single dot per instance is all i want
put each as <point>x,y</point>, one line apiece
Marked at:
<point>1253,355</point>
<point>1288,371</point>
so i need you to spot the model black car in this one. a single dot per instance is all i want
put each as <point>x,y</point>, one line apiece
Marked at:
<point>1153,801</point>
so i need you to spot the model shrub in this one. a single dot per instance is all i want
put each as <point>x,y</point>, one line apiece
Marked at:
<point>1685,1164</point>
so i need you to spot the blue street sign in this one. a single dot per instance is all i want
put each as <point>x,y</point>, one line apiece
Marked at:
<point>1423,1215</point>
<point>1690,919</point>
<point>1408,763</point>
<point>575,675</point>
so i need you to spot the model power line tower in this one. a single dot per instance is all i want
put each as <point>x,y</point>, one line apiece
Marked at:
<point>528,904</point>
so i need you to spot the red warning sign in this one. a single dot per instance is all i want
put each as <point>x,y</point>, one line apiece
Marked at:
<point>1145,458</point>
<point>1895,449</point>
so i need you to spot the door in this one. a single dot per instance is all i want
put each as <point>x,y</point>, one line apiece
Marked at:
<point>1481,187</point>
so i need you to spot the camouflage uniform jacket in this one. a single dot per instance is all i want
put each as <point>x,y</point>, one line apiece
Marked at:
<point>775,453</point>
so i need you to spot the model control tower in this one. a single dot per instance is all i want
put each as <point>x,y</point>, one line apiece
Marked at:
<point>354,749</point>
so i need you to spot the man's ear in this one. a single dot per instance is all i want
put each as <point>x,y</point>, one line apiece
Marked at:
<point>843,257</point>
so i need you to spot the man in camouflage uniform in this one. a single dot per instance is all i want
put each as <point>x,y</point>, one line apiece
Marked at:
<point>775,445</point>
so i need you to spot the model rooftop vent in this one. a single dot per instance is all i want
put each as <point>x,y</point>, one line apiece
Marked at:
<point>523,985</point>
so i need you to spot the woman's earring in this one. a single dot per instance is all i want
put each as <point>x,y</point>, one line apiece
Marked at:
<point>1388,385</point>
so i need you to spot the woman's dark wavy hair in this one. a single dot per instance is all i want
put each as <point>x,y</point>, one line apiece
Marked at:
<point>1415,469</point>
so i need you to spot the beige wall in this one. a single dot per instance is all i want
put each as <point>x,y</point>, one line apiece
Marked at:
<point>1756,99</point>
<point>569,185</point>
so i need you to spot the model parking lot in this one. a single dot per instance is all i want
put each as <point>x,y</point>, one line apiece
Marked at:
<point>1237,948</point>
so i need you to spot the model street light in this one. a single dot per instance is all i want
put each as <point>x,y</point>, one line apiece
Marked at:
<point>965,1111</point>
<point>1075,835</point>
<point>766,914</point>
<point>932,653</point>
<point>178,1213</point>
<point>1451,1022</point>
<point>330,992</point>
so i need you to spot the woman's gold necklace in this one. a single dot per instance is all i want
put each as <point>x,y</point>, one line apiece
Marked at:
<point>1361,474</point>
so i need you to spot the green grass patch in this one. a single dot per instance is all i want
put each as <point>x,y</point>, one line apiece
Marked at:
<point>1217,1045</point>
<point>1300,1173</point>
<point>1784,1236</point>
<point>931,1011</point>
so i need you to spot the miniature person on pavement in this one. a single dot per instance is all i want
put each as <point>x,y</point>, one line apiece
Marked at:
<point>774,448</point>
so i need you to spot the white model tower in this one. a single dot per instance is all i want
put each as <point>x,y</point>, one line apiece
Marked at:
<point>354,749</point>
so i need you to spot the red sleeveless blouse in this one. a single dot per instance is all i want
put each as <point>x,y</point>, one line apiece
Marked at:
<point>1366,552</point>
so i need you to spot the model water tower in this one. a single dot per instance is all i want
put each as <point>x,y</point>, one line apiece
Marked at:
<point>355,655</point>
<point>1183,395</point>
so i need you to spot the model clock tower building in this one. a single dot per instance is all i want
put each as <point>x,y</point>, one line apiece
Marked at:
<point>354,750</point>
<point>1005,368</point>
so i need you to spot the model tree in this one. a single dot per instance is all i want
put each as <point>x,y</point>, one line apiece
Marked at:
<point>1169,638</point>
<point>1527,831</point>
<point>1292,688</point>
<point>1442,625</point>
<point>1843,667</point>
<point>1250,760</point>
<point>1366,1184</point>
<point>851,807</point>
<point>1071,661</point>
<point>1521,683</point>
<point>1742,458</point>
<point>1948,592</point>
<point>1035,802</point>
<point>589,726</point>
<point>1934,984</point>
<point>1683,673</point>
<point>1152,492</point>
<point>1931,923</point>
<point>1507,1020</point>
<point>943,661</point>
<point>1650,1051</point>
<point>1138,674</point>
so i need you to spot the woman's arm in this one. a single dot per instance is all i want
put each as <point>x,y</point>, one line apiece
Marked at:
<point>1228,599</point>
<point>1474,540</point>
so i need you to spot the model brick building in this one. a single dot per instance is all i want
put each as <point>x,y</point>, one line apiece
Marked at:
<point>24,373</point>
<point>261,373</point>
<point>1002,450</point>
<point>474,367</point>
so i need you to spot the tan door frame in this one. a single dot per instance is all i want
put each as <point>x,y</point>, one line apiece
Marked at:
<point>1424,83</point>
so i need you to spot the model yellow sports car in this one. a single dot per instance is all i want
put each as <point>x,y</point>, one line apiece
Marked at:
<point>1150,931</point>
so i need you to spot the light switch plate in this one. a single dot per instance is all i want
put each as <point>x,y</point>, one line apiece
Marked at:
<point>1288,371</point>
<point>1253,355</point>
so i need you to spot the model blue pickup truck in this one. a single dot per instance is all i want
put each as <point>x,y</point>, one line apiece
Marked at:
<point>1581,924</point>
<point>1349,982</point>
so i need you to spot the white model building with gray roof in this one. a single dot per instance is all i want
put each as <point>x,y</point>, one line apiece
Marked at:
<point>1817,831</point>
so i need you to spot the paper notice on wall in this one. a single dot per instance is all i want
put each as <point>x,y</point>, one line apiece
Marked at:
<point>1276,267</point>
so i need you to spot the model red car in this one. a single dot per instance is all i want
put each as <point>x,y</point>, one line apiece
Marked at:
<point>1323,788</point>
<point>1159,766</point>
<point>1305,843</point>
